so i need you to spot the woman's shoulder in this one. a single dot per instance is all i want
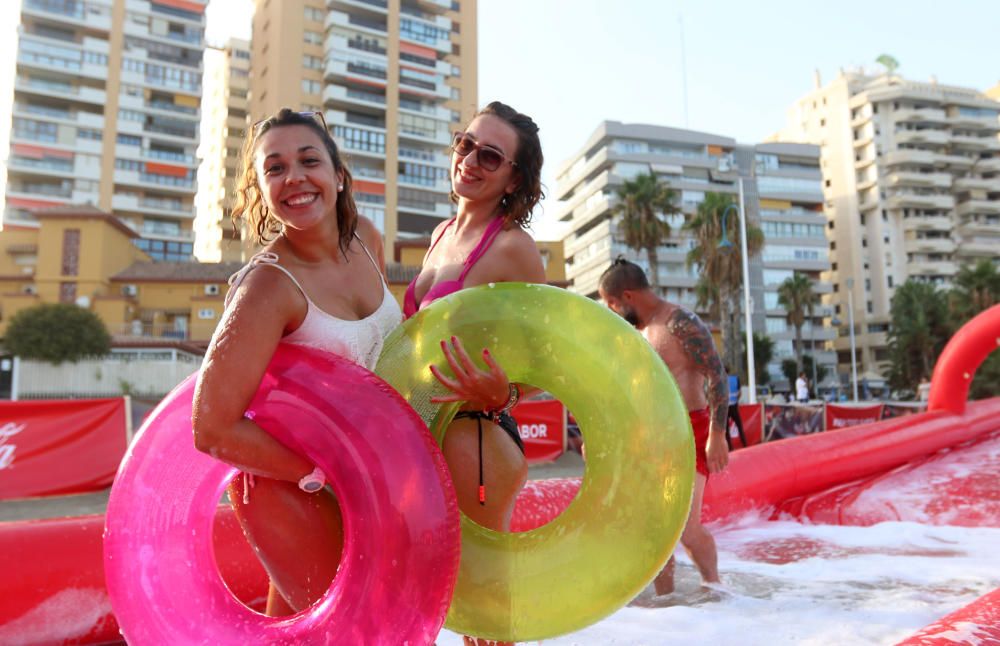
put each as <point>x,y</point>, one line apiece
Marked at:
<point>367,231</point>
<point>521,254</point>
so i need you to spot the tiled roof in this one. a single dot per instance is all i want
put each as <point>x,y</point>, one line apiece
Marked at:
<point>84,212</point>
<point>178,272</point>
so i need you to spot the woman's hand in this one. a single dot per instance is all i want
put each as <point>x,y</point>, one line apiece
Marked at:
<point>481,389</point>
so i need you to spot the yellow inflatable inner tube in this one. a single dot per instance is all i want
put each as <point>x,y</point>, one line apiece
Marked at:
<point>624,523</point>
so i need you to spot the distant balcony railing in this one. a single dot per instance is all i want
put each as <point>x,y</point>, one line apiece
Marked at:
<point>137,329</point>
<point>70,8</point>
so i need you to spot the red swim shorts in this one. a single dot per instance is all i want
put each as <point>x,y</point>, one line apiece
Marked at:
<point>700,420</point>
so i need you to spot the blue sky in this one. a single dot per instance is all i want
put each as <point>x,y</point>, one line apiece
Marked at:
<point>572,63</point>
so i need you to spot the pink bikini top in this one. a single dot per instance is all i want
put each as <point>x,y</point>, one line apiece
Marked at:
<point>446,287</point>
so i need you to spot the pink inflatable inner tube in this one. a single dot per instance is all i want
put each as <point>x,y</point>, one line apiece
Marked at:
<point>401,524</point>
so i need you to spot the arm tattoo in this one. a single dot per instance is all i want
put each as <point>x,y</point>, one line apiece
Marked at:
<point>697,341</point>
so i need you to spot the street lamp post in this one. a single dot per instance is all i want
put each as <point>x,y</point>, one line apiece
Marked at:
<point>725,244</point>
<point>850,322</point>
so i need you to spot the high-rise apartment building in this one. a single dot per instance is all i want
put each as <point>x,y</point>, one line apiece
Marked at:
<point>224,124</point>
<point>911,178</point>
<point>105,111</point>
<point>782,196</point>
<point>393,79</point>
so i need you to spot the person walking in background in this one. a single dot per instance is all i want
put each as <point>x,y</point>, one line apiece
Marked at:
<point>802,388</point>
<point>685,344</point>
<point>734,407</point>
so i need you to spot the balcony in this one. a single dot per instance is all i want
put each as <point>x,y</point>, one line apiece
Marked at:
<point>932,268</point>
<point>979,248</point>
<point>909,178</point>
<point>975,207</point>
<point>990,164</point>
<point>923,137</point>
<point>969,142</point>
<point>922,115</point>
<point>980,122</point>
<point>436,209</point>
<point>959,162</point>
<point>910,157</point>
<point>904,200</point>
<point>152,206</point>
<point>341,19</point>
<point>74,12</point>
<point>440,136</point>
<point>978,226</point>
<point>929,245</point>
<point>977,183</point>
<point>934,223</point>
<point>338,94</point>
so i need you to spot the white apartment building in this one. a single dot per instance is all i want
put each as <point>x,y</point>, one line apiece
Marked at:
<point>106,97</point>
<point>782,194</point>
<point>223,131</point>
<point>911,181</point>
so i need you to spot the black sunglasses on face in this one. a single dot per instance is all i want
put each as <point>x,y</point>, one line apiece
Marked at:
<point>489,158</point>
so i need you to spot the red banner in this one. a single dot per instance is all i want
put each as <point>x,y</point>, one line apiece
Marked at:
<point>542,425</point>
<point>752,416</point>
<point>842,416</point>
<point>59,447</point>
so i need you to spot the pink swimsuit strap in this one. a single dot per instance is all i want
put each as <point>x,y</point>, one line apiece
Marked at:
<point>446,287</point>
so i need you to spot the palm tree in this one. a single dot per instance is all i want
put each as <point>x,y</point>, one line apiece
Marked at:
<point>976,288</point>
<point>917,332</point>
<point>721,268</point>
<point>796,295</point>
<point>643,202</point>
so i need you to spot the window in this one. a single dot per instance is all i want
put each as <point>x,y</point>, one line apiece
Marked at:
<point>312,37</point>
<point>71,252</point>
<point>890,281</point>
<point>311,87</point>
<point>314,14</point>
<point>312,62</point>
<point>868,284</point>
<point>206,313</point>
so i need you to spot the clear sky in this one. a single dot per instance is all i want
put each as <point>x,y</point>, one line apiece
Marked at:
<point>571,64</point>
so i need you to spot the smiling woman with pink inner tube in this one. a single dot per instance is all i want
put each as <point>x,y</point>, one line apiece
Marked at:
<point>318,282</point>
<point>495,171</point>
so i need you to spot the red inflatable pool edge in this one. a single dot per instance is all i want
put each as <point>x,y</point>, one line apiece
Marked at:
<point>54,590</point>
<point>976,623</point>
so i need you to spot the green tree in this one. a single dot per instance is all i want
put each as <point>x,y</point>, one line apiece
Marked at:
<point>821,372</point>
<point>796,295</point>
<point>790,368</point>
<point>643,203</point>
<point>721,268</point>
<point>57,333</point>
<point>890,63</point>
<point>975,289</point>
<point>763,352</point>
<point>918,330</point>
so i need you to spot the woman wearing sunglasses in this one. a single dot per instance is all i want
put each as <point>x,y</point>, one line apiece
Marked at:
<point>496,182</point>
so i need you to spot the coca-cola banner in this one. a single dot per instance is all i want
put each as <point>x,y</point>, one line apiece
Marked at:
<point>52,447</point>
<point>844,415</point>
<point>542,425</point>
<point>791,420</point>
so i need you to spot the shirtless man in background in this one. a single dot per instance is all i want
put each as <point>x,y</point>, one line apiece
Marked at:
<point>685,345</point>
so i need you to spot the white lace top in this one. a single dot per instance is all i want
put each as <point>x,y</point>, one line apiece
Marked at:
<point>358,340</point>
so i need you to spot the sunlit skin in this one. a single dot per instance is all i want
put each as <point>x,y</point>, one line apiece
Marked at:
<point>686,347</point>
<point>297,535</point>
<point>513,256</point>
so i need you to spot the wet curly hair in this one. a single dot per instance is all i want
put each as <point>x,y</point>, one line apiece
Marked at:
<point>517,206</point>
<point>249,203</point>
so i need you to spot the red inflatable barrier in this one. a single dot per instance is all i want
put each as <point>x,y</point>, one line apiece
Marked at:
<point>53,573</point>
<point>960,359</point>
<point>976,623</point>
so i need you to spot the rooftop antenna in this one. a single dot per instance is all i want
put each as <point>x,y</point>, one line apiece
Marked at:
<point>684,76</point>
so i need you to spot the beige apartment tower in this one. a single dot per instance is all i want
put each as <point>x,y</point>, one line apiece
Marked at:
<point>223,131</point>
<point>106,112</point>
<point>393,79</point>
<point>911,181</point>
